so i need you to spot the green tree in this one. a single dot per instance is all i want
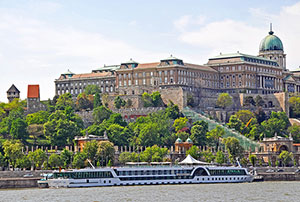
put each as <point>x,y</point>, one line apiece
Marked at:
<point>84,101</point>
<point>101,113</point>
<point>260,115</point>
<point>18,129</point>
<point>153,154</point>
<point>55,161</point>
<point>220,157</point>
<point>244,115</point>
<point>118,134</point>
<point>277,123</point>
<point>180,123</point>
<point>198,133</point>
<point>119,102</point>
<point>116,118</point>
<point>294,103</point>
<point>147,100</point>
<point>235,123</point>
<point>214,135</point>
<point>3,162</point>
<point>60,130</point>
<point>90,149</point>
<point>294,130</point>
<point>156,99</point>
<point>224,100</point>
<point>79,160</point>
<point>23,162</point>
<point>105,152</point>
<point>97,100</point>
<point>149,134</point>
<point>64,101</point>
<point>208,156</point>
<point>233,147</point>
<point>255,133</point>
<point>172,111</point>
<point>244,162</point>
<point>12,151</point>
<point>5,124</point>
<point>38,157</point>
<point>125,157</point>
<point>252,159</point>
<point>286,157</point>
<point>153,100</point>
<point>40,117</point>
<point>91,90</point>
<point>194,151</point>
<point>35,131</point>
<point>66,157</point>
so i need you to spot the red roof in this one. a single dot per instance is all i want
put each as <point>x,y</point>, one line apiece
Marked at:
<point>296,144</point>
<point>33,91</point>
<point>148,65</point>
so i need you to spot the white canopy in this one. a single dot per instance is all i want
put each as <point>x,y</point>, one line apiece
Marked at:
<point>190,160</point>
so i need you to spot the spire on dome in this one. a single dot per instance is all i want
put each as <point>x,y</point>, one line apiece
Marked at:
<point>271,32</point>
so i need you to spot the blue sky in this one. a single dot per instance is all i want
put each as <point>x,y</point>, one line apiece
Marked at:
<point>39,40</point>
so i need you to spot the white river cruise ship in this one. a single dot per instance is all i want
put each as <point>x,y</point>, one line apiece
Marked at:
<point>147,175</point>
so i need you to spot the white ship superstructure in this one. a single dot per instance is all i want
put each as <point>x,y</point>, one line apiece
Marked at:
<point>148,175</point>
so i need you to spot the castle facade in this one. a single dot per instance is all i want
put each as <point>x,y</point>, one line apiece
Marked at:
<point>238,74</point>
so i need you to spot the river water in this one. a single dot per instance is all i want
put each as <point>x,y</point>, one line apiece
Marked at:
<point>259,191</point>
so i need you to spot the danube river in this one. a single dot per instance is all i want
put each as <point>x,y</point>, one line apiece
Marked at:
<point>259,191</point>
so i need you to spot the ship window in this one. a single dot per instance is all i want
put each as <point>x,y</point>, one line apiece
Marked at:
<point>200,172</point>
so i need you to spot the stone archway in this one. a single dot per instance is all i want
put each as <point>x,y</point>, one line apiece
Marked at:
<point>283,148</point>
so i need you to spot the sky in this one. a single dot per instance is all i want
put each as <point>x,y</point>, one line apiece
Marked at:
<point>39,39</point>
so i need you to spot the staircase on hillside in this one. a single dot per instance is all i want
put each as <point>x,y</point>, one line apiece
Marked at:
<point>245,142</point>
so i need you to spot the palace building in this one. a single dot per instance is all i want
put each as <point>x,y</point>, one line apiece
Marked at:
<point>238,74</point>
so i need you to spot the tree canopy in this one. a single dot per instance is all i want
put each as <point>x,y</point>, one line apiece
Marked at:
<point>224,100</point>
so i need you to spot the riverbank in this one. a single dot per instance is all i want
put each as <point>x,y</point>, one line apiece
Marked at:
<point>20,178</point>
<point>280,176</point>
<point>6,183</point>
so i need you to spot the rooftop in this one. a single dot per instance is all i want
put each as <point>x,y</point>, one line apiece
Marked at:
<point>33,91</point>
<point>88,75</point>
<point>13,88</point>
<point>245,57</point>
<point>108,68</point>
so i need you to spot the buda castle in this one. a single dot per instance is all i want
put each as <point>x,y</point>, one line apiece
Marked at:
<point>238,74</point>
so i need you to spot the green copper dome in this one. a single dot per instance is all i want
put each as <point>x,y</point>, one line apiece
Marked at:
<point>178,140</point>
<point>271,42</point>
<point>189,140</point>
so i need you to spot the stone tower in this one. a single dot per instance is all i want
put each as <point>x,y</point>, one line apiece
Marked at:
<point>271,47</point>
<point>33,99</point>
<point>12,93</point>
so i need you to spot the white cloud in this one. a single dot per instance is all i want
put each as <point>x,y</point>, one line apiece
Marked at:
<point>187,21</point>
<point>34,52</point>
<point>230,35</point>
<point>133,23</point>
